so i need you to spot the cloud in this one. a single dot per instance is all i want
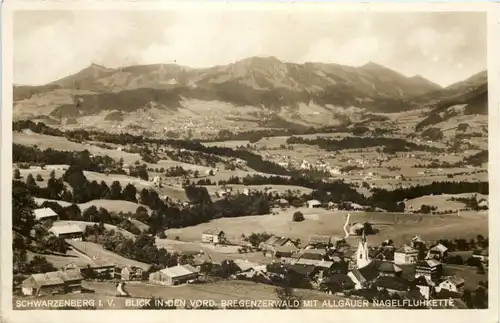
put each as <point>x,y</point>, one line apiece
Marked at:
<point>52,45</point>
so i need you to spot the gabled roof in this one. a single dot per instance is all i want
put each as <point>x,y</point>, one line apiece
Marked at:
<point>276,241</point>
<point>429,263</point>
<point>244,265</point>
<point>214,232</point>
<point>320,239</point>
<point>179,271</point>
<point>406,250</point>
<point>365,274</point>
<point>57,277</point>
<point>43,213</point>
<point>387,267</point>
<point>439,247</point>
<point>65,229</point>
<point>48,279</point>
<point>340,279</point>
<point>315,263</point>
<point>313,202</point>
<point>455,280</point>
<point>305,270</point>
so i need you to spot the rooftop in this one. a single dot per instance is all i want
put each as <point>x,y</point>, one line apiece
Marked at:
<point>65,229</point>
<point>215,232</point>
<point>44,213</point>
<point>179,271</point>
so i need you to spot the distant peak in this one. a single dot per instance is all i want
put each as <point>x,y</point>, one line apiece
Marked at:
<point>98,67</point>
<point>371,64</point>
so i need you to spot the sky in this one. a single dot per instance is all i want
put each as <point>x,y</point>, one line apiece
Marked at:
<point>444,47</point>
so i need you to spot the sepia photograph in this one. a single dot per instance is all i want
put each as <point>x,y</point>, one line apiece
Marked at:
<point>244,158</point>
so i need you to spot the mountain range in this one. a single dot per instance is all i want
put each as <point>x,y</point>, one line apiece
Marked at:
<point>261,84</point>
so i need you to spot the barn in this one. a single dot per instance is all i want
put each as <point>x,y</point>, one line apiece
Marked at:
<point>176,275</point>
<point>55,282</point>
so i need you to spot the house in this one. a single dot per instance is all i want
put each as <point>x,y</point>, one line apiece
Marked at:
<point>438,252</point>
<point>44,214</point>
<point>313,204</point>
<point>67,231</point>
<point>392,284</point>
<point>131,273</point>
<point>214,236</point>
<point>176,275</point>
<point>430,269</point>
<point>316,254</point>
<point>271,247</point>
<point>425,286</point>
<point>244,265</point>
<point>453,284</point>
<point>157,181</point>
<point>55,282</point>
<point>318,241</point>
<point>283,203</point>
<point>405,255</point>
<point>361,277</point>
<point>387,268</point>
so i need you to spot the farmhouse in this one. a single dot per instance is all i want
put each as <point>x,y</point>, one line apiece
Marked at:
<point>453,284</point>
<point>274,246</point>
<point>318,241</point>
<point>45,214</point>
<point>67,231</point>
<point>315,254</point>
<point>438,252</point>
<point>387,268</point>
<point>214,236</point>
<point>176,275</point>
<point>405,255</point>
<point>363,276</point>
<point>313,204</point>
<point>430,269</point>
<point>282,203</point>
<point>131,273</point>
<point>55,282</point>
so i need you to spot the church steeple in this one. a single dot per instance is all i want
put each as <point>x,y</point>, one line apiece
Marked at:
<point>362,255</point>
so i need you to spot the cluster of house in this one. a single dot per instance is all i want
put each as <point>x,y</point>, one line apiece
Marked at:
<point>62,230</point>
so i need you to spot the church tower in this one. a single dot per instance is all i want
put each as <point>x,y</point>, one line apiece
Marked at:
<point>362,256</point>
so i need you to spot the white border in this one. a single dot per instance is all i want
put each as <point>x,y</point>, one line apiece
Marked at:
<point>455,316</point>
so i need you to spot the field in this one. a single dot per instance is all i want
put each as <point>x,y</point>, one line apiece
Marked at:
<point>91,249</point>
<point>442,202</point>
<point>398,227</point>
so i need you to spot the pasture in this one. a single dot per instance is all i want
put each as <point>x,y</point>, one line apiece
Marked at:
<point>398,227</point>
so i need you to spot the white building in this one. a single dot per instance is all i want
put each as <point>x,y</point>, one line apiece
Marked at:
<point>453,284</point>
<point>405,255</point>
<point>45,214</point>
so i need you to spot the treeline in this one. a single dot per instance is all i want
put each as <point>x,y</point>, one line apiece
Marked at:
<point>381,197</point>
<point>477,159</point>
<point>82,190</point>
<point>339,191</point>
<point>253,161</point>
<point>390,144</point>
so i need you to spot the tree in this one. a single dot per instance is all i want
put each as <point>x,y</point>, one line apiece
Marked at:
<point>40,265</point>
<point>116,191</point>
<point>298,217</point>
<point>129,193</point>
<point>91,214</point>
<point>39,178</point>
<point>17,173</point>
<point>23,205</point>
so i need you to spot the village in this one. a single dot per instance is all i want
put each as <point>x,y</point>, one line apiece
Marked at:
<point>333,265</point>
